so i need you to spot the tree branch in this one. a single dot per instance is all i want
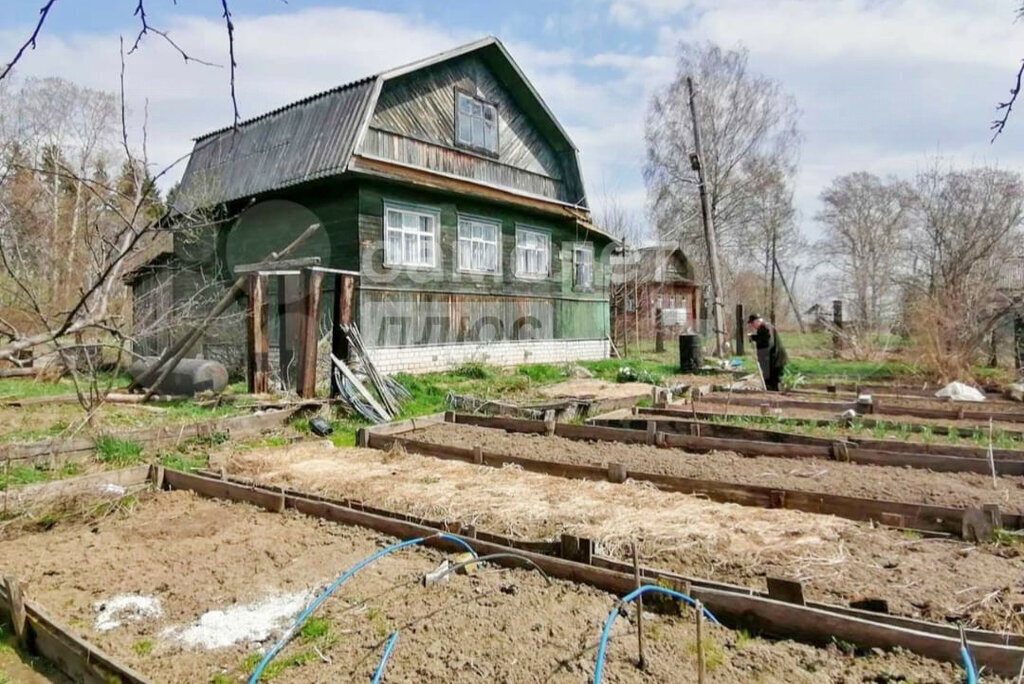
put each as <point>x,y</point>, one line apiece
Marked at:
<point>31,42</point>
<point>145,27</point>
<point>999,124</point>
<point>231,51</point>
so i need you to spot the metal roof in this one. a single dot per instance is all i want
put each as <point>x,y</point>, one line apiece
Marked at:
<point>315,137</point>
<point>309,139</point>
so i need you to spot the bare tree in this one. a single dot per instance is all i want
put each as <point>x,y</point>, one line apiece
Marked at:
<point>770,236</point>
<point>744,116</point>
<point>145,27</point>
<point>865,220</point>
<point>967,225</point>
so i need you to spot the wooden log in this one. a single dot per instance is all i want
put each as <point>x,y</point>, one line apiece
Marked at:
<point>312,287</point>
<point>258,367</point>
<point>20,372</point>
<point>279,265</point>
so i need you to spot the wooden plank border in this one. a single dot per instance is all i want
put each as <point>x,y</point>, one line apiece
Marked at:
<point>703,413</point>
<point>14,498</point>
<point>750,611</point>
<point>688,425</point>
<point>878,408</point>
<point>559,549</point>
<point>47,451</point>
<point>73,656</point>
<point>920,517</point>
<point>823,449</point>
<point>703,435</point>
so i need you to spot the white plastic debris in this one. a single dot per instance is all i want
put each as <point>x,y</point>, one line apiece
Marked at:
<point>134,607</point>
<point>248,622</point>
<point>1016,391</point>
<point>111,488</point>
<point>958,391</point>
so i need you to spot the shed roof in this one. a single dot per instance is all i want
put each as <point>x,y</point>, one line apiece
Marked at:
<point>317,136</point>
<point>656,265</point>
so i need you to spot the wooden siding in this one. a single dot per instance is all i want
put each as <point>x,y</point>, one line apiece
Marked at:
<point>436,157</point>
<point>445,277</point>
<point>421,108</point>
<point>441,305</point>
<point>400,318</point>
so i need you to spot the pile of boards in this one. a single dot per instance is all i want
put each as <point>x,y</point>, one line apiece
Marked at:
<point>379,406</point>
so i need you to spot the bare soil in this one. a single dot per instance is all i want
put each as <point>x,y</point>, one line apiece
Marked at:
<point>495,625</point>
<point>606,389</point>
<point>838,560</point>
<point>850,479</point>
<point>597,389</point>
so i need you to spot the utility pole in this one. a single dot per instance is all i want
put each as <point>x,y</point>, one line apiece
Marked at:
<point>771,290</point>
<point>696,162</point>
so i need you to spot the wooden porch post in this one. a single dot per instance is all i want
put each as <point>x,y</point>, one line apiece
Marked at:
<point>310,332</point>
<point>257,375</point>
<point>344,297</point>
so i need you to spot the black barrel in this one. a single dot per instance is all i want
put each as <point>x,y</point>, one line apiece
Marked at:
<point>689,353</point>
<point>190,376</point>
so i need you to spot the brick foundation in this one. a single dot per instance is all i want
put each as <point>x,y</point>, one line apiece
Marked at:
<point>427,358</point>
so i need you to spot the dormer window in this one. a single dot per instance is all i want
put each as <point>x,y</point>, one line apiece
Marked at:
<point>476,123</point>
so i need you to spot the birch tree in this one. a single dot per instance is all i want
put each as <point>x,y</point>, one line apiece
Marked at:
<point>745,116</point>
<point>865,221</point>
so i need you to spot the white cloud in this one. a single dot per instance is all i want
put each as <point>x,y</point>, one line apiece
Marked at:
<point>280,58</point>
<point>883,84</point>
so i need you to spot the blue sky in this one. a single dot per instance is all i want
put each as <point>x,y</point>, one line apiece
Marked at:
<point>883,85</point>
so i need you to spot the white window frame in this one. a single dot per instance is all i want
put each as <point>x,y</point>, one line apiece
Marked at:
<point>467,221</point>
<point>521,231</point>
<point>414,210</point>
<point>578,247</point>
<point>472,117</point>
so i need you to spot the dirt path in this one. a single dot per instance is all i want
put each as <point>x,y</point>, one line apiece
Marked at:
<point>838,560</point>
<point>496,625</point>
<point>849,479</point>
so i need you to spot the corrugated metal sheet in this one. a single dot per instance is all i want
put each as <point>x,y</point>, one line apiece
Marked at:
<point>303,141</point>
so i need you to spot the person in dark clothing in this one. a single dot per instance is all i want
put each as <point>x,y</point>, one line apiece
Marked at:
<point>771,355</point>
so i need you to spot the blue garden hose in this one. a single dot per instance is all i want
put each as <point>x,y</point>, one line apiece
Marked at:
<point>379,672</point>
<point>972,674</point>
<point>308,611</point>
<point>633,595</point>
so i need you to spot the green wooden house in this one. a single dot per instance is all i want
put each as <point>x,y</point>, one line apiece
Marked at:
<point>447,185</point>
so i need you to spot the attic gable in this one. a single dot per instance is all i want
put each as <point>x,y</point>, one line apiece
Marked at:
<point>400,116</point>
